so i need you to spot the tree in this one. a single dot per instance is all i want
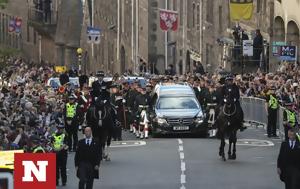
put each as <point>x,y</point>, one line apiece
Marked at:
<point>3,4</point>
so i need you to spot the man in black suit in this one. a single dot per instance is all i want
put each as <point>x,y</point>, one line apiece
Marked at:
<point>288,164</point>
<point>87,160</point>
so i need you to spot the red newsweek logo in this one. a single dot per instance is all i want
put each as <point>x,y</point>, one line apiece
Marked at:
<point>35,171</point>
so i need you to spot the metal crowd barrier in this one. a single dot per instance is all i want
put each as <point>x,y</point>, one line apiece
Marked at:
<point>255,113</point>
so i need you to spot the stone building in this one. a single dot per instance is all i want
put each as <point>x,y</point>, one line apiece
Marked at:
<point>287,22</point>
<point>50,30</point>
<point>132,34</point>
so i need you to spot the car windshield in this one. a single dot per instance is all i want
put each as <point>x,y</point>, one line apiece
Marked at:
<point>177,103</point>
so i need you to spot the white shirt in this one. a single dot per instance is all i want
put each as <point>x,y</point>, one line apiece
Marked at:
<point>88,141</point>
<point>292,144</point>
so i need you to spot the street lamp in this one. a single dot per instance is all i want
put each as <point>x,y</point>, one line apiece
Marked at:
<point>79,56</point>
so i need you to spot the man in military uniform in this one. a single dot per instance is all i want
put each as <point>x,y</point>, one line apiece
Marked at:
<point>35,144</point>
<point>131,95</point>
<point>59,146</point>
<point>272,106</point>
<point>212,102</point>
<point>230,89</point>
<point>117,101</point>
<point>142,103</point>
<point>71,122</point>
<point>289,119</point>
<point>203,93</point>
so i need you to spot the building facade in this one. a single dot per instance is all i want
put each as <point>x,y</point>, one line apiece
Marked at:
<point>132,34</point>
<point>287,22</point>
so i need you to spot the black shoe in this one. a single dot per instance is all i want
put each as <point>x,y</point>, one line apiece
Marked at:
<point>64,184</point>
<point>275,136</point>
<point>269,136</point>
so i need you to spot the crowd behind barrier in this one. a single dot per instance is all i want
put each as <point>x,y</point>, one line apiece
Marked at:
<point>256,114</point>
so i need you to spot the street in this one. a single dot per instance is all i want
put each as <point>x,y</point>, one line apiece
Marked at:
<point>171,163</point>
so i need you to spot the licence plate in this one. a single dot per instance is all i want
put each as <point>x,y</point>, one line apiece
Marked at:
<point>181,128</point>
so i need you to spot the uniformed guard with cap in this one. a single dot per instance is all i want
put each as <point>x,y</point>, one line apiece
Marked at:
<point>97,85</point>
<point>230,89</point>
<point>59,146</point>
<point>272,106</point>
<point>289,118</point>
<point>71,122</point>
<point>35,144</point>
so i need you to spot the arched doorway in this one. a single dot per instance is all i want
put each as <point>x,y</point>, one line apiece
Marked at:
<point>188,62</point>
<point>292,35</point>
<point>123,60</point>
<point>279,31</point>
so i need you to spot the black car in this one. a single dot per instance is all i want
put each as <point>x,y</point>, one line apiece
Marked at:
<point>177,110</point>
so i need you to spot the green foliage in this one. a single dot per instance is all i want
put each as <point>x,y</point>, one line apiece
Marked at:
<point>5,54</point>
<point>3,4</point>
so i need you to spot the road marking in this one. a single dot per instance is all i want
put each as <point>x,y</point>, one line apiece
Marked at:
<point>129,143</point>
<point>182,165</point>
<point>180,148</point>
<point>180,141</point>
<point>253,142</point>
<point>182,179</point>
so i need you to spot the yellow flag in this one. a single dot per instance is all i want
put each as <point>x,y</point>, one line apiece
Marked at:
<point>241,9</point>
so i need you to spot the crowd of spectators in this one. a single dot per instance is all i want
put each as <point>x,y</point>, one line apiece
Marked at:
<point>28,106</point>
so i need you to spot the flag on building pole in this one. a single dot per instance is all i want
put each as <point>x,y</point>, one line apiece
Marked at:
<point>241,9</point>
<point>168,20</point>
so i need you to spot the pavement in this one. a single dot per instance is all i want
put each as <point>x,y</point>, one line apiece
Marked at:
<point>181,162</point>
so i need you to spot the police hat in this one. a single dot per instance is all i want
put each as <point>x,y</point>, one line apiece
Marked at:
<point>114,85</point>
<point>34,138</point>
<point>100,74</point>
<point>60,126</point>
<point>72,97</point>
<point>229,77</point>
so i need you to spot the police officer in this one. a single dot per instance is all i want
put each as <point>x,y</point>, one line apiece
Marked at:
<point>289,119</point>
<point>230,89</point>
<point>59,146</point>
<point>35,144</point>
<point>98,86</point>
<point>272,106</point>
<point>71,122</point>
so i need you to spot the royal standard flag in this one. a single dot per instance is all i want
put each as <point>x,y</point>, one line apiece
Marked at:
<point>241,9</point>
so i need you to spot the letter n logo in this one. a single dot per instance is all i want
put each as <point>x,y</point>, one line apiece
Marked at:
<point>35,171</point>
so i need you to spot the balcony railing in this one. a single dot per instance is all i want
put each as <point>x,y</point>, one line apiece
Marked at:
<point>43,17</point>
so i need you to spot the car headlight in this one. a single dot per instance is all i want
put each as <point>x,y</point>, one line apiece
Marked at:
<point>200,117</point>
<point>161,120</point>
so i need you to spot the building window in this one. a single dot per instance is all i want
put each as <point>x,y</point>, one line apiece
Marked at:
<point>175,5</point>
<point>28,33</point>
<point>258,8</point>
<point>181,13</point>
<point>194,12</point>
<point>265,6</point>
<point>220,19</point>
<point>210,12</point>
<point>198,17</point>
<point>34,37</point>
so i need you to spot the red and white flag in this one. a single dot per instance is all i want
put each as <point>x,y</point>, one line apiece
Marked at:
<point>168,20</point>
